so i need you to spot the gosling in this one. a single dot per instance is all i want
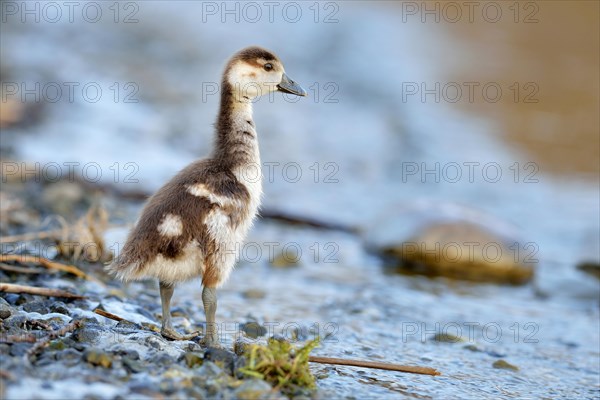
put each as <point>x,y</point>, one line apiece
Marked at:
<point>195,224</point>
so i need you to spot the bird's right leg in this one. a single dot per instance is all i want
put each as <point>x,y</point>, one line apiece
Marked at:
<point>166,292</point>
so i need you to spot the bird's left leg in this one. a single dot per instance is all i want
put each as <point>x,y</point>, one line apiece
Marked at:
<point>166,292</point>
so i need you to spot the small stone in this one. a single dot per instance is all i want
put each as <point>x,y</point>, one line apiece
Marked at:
<point>447,338</point>
<point>19,349</point>
<point>209,370</point>
<point>286,259</point>
<point>11,298</point>
<point>221,357</point>
<point>241,345</point>
<point>57,345</point>
<point>502,364</point>
<point>37,306</point>
<point>254,294</point>
<point>253,389</point>
<point>5,309</point>
<point>132,365</point>
<point>128,325</point>
<point>88,333</point>
<point>162,359</point>
<point>59,307</point>
<point>253,329</point>
<point>193,360</point>
<point>98,357</point>
<point>69,357</point>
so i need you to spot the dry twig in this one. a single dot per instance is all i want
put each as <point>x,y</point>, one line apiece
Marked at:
<point>21,270</point>
<point>376,365</point>
<point>31,236</point>
<point>44,262</point>
<point>108,315</point>
<point>12,288</point>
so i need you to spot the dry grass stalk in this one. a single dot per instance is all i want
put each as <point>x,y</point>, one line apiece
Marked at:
<point>44,262</point>
<point>376,365</point>
<point>11,288</point>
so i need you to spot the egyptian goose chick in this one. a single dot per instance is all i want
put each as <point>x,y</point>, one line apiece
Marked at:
<point>195,224</point>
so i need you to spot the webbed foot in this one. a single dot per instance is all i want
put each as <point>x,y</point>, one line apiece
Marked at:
<point>170,333</point>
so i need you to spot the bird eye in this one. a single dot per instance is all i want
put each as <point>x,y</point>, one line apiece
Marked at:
<point>268,66</point>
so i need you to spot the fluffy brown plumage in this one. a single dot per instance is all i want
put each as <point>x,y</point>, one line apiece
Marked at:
<point>196,223</point>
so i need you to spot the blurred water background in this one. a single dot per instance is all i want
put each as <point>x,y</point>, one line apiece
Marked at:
<point>412,116</point>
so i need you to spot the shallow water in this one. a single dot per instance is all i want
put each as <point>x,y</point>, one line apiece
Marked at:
<point>365,160</point>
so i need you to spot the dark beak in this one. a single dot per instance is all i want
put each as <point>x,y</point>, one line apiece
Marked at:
<point>289,86</point>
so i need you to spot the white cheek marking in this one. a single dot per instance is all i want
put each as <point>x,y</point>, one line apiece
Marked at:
<point>171,226</point>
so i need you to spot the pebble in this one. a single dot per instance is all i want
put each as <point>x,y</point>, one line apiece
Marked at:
<point>253,329</point>
<point>193,360</point>
<point>503,364</point>
<point>96,356</point>
<point>19,349</point>
<point>59,307</point>
<point>253,389</point>
<point>5,309</point>
<point>222,357</point>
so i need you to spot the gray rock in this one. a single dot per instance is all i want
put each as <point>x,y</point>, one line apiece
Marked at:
<point>69,357</point>
<point>222,357</point>
<point>89,333</point>
<point>59,307</point>
<point>5,309</point>
<point>37,306</point>
<point>19,349</point>
<point>162,360</point>
<point>253,329</point>
<point>253,389</point>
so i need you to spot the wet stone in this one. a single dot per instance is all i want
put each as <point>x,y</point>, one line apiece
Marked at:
<point>253,329</point>
<point>241,345</point>
<point>24,298</point>
<point>98,357</point>
<point>19,349</point>
<point>5,309</point>
<point>11,298</point>
<point>69,357</point>
<point>162,360</point>
<point>88,333</point>
<point>253,389</point>
<point>59,307</point>
<point>221,357</point>
<point>193,360</point>
<point>503,364</point>
<point>37,306</point>
<point>133,365</point>
<point>447,338</point>
<point>154,342</point>
<point>128,326</point>
<point>4,349</point>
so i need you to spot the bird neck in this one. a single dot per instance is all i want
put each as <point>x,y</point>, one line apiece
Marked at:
<point>236,139</point>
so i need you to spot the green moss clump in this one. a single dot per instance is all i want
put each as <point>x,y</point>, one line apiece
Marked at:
<point>282,365</point>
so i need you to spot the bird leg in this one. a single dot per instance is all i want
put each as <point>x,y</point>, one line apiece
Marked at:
<point>209,299</point>
<point>166,292</point>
